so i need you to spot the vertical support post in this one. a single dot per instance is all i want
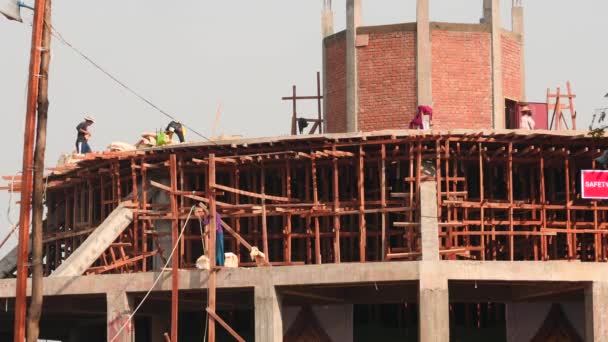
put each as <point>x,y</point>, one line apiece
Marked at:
<point>383,198</point>
<point>361,195</point>
<point>294,115</point>
<point>424,58</point>
<point>596,315</point>
<point>498,116</point>
<point>264,220</point>
<point>35,311</point>
<point>27,168</point>
<point>543,200</point>
<point>211,249</point>
<point>174,258</point>
<point>119,308</point>
<point>315,198</point>
<point>353,21</point>
<point>571,236</point>
<point>482,217</point>
<point>336,191</point>
<point>288,216</point>
<point>571,105</point>
<point>268,320</point>
<point>510,186</point>
<point>319,104</point>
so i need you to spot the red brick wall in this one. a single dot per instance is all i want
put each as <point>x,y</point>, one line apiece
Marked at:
<point>511,67</point>
<point>335,58</point>
<point>387,80</point>
<point>462,79</point>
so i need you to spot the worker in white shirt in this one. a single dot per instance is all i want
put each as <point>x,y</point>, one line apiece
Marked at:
<point>526,121</point>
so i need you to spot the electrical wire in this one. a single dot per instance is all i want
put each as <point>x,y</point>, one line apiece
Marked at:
<point>60,37</point>
<point>128,321</point>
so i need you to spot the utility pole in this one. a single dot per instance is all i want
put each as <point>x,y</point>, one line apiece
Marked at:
<point>35,311</point>
<point>26,181</point>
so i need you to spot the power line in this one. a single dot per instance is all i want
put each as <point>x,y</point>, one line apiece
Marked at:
<point>58,35</point>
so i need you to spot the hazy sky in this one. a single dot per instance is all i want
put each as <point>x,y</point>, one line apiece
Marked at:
<point>187,56</point>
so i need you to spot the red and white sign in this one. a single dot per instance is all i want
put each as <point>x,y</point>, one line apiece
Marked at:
<point>594,184</point>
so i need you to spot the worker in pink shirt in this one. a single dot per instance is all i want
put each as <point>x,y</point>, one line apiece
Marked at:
<point>423,118</point>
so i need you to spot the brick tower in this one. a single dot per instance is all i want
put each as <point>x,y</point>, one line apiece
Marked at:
<point>471,74</point>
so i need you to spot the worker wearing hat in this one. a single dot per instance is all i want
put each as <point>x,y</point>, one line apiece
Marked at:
<point>526,120</point>
<point>82,139</point>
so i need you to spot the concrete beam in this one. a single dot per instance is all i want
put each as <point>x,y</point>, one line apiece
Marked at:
<point>353,21</point>
<point>268,319</point>
<point>596,312</point>
<point>498,117</point>
<point>96,243</point>
<point>434,304</point>
<point>120,307</point>
<point>429,228</point>
<point>424,57</point>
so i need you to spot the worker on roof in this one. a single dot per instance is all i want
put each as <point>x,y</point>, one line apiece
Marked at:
<point>177,128</point>
<point>526,121</point>
<point>82,139</point>
<point>203,215</point>
<point>423,118</point>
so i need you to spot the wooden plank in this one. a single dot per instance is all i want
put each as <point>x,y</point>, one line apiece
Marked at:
<point>336,194</point>
<point>251,194</point>
<point>383,199</point>
<point>212,243</point>
<point>361,199</point>
<point>174,240</point>
<point>315,198</point>
<point>236,235</point>
<point>264,219</point>
<point>225,325</point>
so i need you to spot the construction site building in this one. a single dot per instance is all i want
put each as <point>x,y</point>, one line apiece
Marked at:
<point>466,232</point>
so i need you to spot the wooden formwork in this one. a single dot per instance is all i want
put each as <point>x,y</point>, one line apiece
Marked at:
<point>331,199</point>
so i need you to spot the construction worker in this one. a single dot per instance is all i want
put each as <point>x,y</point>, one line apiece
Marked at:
<point>82,139</point>
<point>203,212</point>
<point>423,118</point>
<point>526,121</point>
<point>177,128</point>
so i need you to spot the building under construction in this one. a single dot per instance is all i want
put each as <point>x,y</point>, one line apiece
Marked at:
<point>472,231</point>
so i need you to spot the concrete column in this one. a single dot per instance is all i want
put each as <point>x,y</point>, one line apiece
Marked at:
<point>498,118</point>
<point>268,320</point>
<point>327,19</point>
<point>517,18</point>
<point>434,306</point>
<point>424,57</point>
<point>487,12</point>
<point>596,312</point>
<point>162,226</point>
<point>159,324</point>
<point>120,307</point>
<point>353,21</point>
<point>327,29</point>
<point>429,227</point>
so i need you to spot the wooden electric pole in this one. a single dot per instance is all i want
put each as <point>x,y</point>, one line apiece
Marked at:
<point>35,311</point>
<point>26,180</point>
